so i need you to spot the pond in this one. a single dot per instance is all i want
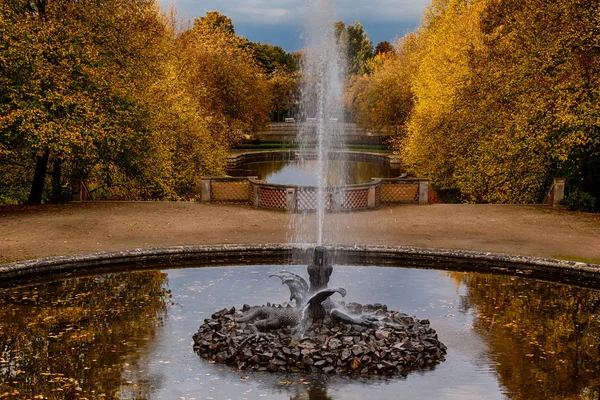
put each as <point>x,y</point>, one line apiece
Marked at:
<point>303,172</point>
<point>129,335</point>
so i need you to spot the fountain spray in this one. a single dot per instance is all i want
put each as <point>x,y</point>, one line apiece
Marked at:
<point>321,107</point>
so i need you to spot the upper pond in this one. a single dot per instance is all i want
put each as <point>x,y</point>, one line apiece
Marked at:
<point>129,336</point>
<point>303,172</point>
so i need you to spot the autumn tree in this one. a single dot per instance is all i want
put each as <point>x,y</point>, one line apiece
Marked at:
<point>68,74</point>
<point>225,80</point>
<point>383,100</point>
<point>285,91</point>
<point>505,98</point>
<point>215,21</point>
<point>384,47</point>
<point>115,93</point>
<point>210,92</point>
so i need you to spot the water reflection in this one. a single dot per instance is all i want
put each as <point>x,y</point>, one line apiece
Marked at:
<point>76,338</point>
<point>544,338</point>
<point>127,336</point>
<point>304,172</point>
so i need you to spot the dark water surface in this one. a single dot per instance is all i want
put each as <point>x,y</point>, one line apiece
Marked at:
<point>303,172</point>
<point>128,336</point>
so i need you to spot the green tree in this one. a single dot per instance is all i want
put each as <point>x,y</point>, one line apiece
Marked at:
<point>273,58</point>
<point>354,41</point>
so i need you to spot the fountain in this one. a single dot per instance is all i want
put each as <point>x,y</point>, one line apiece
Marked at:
<point>126,334</point>
<point>320,334</point>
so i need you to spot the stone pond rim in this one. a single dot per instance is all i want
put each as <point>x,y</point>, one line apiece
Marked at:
<point>180,256</point>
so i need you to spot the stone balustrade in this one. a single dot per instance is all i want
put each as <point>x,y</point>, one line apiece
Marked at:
<point>294,198</point>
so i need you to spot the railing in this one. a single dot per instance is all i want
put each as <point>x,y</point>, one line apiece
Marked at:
<point>239,160</point>
<point>225,189</point>
<point>405,190</point>
<point>293,198</point>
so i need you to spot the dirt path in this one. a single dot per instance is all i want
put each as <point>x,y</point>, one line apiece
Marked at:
<point>27,233</point>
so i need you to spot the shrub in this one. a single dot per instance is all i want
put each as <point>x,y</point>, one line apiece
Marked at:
<point>579,200</point>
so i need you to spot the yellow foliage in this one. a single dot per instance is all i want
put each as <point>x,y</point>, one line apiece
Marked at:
<point>383,100</point>
<point>121,95</point>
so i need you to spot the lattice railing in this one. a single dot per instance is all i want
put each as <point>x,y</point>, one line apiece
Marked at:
<point>306,200</point>
<point>297,198</point>
<point>355,199</point>
<point>400,192</point>
<point>273,198</point>
<point>229,191</point>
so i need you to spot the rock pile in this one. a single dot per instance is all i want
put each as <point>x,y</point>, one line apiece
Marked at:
<point>398,345</point>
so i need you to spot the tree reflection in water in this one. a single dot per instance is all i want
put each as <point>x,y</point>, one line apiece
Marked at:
<point>75,338</point>
<point>544,338</point>
<point>83,338</point>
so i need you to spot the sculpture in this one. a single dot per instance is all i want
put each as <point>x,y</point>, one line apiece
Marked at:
<point>319,334</point>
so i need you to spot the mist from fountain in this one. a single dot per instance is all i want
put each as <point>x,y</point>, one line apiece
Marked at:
<point>321,110</point>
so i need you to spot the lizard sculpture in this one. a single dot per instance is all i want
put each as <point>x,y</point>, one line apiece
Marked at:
<point>271,318</point>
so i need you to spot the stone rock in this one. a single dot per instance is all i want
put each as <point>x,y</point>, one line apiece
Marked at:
<point>334,344</point>
<point>397,345</point>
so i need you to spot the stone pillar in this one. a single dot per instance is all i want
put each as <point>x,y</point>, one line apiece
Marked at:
<point>257,196</point>
<point>320,270</point>
<point>205,191</point>
<point>423,192</point>
<point>372,197</point>
<point>337,199</point>
<point>290,199</point>
<point>559,191</point>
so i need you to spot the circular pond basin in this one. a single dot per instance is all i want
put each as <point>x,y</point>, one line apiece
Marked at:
<point>129,336</point>
<point>303,172</point>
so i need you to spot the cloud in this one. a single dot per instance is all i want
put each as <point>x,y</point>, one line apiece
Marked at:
<point>381,10</point>
<point>279,12</point>
<point>280,21</point>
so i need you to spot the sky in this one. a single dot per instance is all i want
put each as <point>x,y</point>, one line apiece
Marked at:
<point>279,22</point>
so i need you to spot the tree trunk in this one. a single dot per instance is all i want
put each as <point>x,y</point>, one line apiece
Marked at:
<point>39,178</point>
<point>57,195</point>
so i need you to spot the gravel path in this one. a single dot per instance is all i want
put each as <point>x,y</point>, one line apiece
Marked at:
<point>27,233</point>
